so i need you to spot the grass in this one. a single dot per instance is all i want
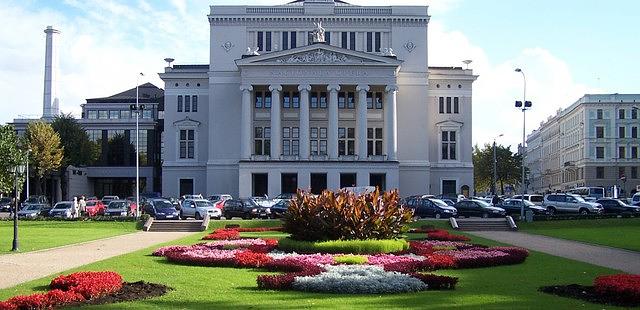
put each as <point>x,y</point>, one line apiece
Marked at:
<point>617,233</point>
<point>38,235</point>
<point>505,287</point>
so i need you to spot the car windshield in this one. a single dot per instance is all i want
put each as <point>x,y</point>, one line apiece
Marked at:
<point>62,206</point>
<point>622,203</point>
<point>32,200</point>
<point>578,198</point>
<point>91,203</point>
<point>439,203</point>
<point>483,204</point>
<point>117,205</point>
<point>251,202</point>
<point>163,204</point>
<point>203,204</point>
<point>32,208</point>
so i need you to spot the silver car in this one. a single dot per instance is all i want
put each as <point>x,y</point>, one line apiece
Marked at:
<point>570,203</point>
<point>30,212</point>
<point>62,209</point>
<point>198,209</point>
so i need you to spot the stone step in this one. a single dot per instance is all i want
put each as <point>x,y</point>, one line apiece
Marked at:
<point>176,225</point>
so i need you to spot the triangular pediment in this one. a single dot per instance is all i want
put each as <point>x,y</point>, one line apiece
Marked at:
<point>318,54</point>
<point>186,122</point>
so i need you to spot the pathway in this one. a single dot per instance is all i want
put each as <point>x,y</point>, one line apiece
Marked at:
<point>619,259</point>
<point>22,267</point>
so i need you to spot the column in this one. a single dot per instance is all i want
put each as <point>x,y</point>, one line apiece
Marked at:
<point>245,123</point>
<point>390,122</point>
<point>361,121</point>
<point>304,121</point>
<point>276,129</point>
<point>332,127</point>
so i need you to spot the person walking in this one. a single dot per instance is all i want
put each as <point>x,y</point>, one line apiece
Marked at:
<point>74,208</point>
<point>83,206</point>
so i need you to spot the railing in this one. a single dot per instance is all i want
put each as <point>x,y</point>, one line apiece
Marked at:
<point>279,10</point>
<point>362,11</point>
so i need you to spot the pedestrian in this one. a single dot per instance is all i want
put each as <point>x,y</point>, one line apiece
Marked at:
<point>74,208</point>
<point>495,200</point>
<point>83,206</point>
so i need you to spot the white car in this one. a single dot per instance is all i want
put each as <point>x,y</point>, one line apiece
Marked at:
<point>198,209</point>
<point>62,209</point>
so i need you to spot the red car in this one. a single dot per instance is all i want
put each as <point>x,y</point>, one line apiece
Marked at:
<point>95,207</point>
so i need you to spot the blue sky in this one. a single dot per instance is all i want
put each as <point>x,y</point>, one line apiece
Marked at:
<point>566,48</point>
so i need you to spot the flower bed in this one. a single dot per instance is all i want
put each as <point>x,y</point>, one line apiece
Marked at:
<point>443,235</point>
<point>223,234</point>
<point>344,246</point>
<point>625,287</point>
<point>487,257</point>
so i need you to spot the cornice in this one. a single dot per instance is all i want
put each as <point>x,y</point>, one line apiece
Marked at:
<point>331,21</point>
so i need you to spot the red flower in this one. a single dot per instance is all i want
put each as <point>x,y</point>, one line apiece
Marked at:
<point>252,259</point>
<point>223,234</point>
<point>624,287</point>
<point>443,235</point>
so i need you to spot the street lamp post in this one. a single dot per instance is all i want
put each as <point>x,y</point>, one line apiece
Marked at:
<point>523,105</point>
<point>19,169</point>
<point>495,166</point>
<point>137,108</point>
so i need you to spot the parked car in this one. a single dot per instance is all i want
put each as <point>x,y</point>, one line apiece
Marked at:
<point>617,206</point>
<point>219,197</point>
<point>430,207</point>
<point>40,200</point>
<point>5,204</point>
<point>107,199</point>
<point>176,203</point>
<point>185,197</point>
<point>279,209</point>
<point>263,201</point>
<point>30,212</point>
<point>449,202</point>
<point>475,207</point>
<point>570,203</point>
<point>160,209</point>
<point>120,208</point>
<point>95,208</point>
<point>534,198</point>
<point>62,209</point>
<point>246,209</point>
<point>198,209</point>
<point>514,206</point>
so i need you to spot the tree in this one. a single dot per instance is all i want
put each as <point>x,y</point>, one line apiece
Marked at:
<point>508,168</point>
<point>78,149</point>
<point>46,152</point>
<point>11,155</point>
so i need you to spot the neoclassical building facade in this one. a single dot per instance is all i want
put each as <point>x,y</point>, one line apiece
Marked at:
<point>317,94</point>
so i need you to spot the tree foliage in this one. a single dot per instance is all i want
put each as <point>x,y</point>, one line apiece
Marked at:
<point>78,149</point>
<point>11,155</point>
<point>46,153</point>
<point>508,168</point>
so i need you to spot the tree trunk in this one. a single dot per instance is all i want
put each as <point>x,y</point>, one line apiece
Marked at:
<point>501,187</point>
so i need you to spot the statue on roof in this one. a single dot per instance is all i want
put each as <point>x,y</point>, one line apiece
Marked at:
<point>318,33</point>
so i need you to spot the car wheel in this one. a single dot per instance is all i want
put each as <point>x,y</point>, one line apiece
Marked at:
<point>485,215</point>
<point>584,211</point>
<point>551,210</point>
<point>198,216</point>
<point>438,215</point>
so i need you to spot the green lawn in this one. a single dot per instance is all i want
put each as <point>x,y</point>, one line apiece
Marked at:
<point>618,233</point>
<point>37,235</point>
<point>506,287</point>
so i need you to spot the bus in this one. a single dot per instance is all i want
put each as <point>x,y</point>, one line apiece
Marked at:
<point>588,193</point>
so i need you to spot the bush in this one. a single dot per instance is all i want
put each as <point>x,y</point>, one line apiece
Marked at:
<point>435,282</point>
<point>344,246</point>
<point>345,216</point>
<point>350,259</point>
<point>623,287</point>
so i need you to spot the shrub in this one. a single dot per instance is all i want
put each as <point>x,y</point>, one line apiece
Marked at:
<point>435,282</point>
<point>345,216</point>
<point>285,281</point>
<point>443,235</point>
<point>90,284</point>
<point>623,287</point>
<point>344,246</point>
<point>350,259</point>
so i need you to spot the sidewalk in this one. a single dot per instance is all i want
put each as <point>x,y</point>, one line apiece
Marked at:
<point>619,259</point>
<point>22,267</point>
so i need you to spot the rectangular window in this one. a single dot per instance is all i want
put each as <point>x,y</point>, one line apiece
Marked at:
<point>634,172</point>
<point>342,100</point>
<point>187,103</point>
<point>267,44</point>
<point>125,114</point>
<point>295,100</point>
<point>290,141</point>
<point>634,114</point>
<point>262,141</point>
<point>92,114</point>
<point>180,104</point>
<point>148,114</point>
<point>318,138</point>
<point>267,100</point>
<point>374,141</point>
<point>259,100</point>
<point>599,132</point>
<point>352,41</point>
<point>187,144</point>
<point>294,39</point>
<point>103,115</point>
<point>634,132</point>
<point>346,141</point>
<point>599,113</point>
<point>369,100</point>
<point>634,152</point>
<point>286,100</point>
<point>621,113</point>
<point>260,42</point>
<point>441,104</point>
<point>621,172</point>
<point>621,132</point>
<point>323,100</point>
<point>378,100</point>
<point>378,42</point>
<point>599,172</point>
<point>285,40</point>
<point>327,37</point>
<point>314,100</point>
<point>621,152</point>
<point>194,103</point>
<point>344,42</point>
<point>456,105</point>
<point>351,100</point>
<point>599,152</point>
<point>369,42</point>
<point>448,145</point>
<point>448,105</point>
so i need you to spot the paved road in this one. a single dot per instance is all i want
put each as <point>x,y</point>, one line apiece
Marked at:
<point>619,259</point>
<point>4,215</point>
<point>22,267</point>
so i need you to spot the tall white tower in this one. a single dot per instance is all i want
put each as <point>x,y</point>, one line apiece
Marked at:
<point>51,105</point>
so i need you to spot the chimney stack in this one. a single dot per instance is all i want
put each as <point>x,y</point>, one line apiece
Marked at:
<point>51,104</point>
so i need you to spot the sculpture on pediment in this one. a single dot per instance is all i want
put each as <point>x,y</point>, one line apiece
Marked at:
<point>252,51</point>
<point>318,56</point>
<point>318,34</point>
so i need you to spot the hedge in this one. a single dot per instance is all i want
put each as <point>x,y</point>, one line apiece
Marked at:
<point>344,246</point>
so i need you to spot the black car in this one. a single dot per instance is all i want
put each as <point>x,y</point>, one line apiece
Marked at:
<point>513,207</point>
<point>617,206</point>
<point>245,208</point>
<point>430,207</point>
<point>5,204</point>
<point>160,209</point>
<point>473,207</point>
<point>279,209</point>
